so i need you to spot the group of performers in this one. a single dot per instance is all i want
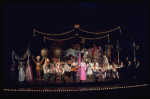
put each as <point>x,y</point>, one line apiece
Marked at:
<point>74,68</point>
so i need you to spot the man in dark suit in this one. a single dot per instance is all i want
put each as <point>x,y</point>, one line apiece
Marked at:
<point>130,69</point>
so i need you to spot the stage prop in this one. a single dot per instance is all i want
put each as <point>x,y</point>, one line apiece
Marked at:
<point>45,53</point>
<point>83,41</point>
<point>134,47</point>
<point>100,56</point>
<point>108,51</point>
<point>118,49</point>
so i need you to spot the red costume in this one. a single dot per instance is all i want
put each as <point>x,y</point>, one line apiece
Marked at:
<point>93,50</point>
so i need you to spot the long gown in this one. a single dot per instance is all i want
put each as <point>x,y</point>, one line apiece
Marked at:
<point>21,77</point>
<point>29,75</point>
<point>83,72</point>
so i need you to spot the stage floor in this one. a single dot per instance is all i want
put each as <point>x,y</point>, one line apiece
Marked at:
<point>69,84</point>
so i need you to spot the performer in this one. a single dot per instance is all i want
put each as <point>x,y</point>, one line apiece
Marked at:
<point>46,73</point>
<point>67,68</point>
<point>74,69</point>
<point>114,71</point>
<point>107,68</point>
<point>69,72</point>
<point>53,73</point>
<point>94,50</point>
<point>103,72</point>
<point>21,69</point>
<point>95,61</point>
<point>29,74</point>
<point>46,68</point>
<point>57,68</point>
<point>38,66</point>
<point>61,72</point>
<point>83,69</point>
<point>89,68</point>
<point>95,70</point>
<point>130,69</point>
<point>105,60</point>
<point>122,70</point>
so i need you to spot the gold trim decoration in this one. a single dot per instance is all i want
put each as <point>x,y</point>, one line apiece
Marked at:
<point>101,32</point>
<point>94,38</point>
<point>59,39</point>
<point>53,34</point>
<point>74,37</point>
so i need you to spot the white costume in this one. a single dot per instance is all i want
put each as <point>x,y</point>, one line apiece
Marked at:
<point>105,60</point>
<point>89,70</point>
<point>114,73</point>
<point>103,72</point>
<point>67,68</point>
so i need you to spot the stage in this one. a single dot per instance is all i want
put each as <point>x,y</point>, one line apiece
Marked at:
<point>109,87</point>
<point>77,84</point>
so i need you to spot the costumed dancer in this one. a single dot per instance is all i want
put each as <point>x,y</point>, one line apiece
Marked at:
<point>69,72</point>
<point>29,74</point>
<point>57,64</point>
<point>114,71</point>
<point>53,73</point>
<point>21,69</point>
<point>83,71</point>
<point>46,72</point>
<point>46,68</point>
<point>95,70</point>
<point>74,69</point>
<point>103,72</point>
<point>107,68</point>
<point>89,69</point>
<point>61,72</point>
<point>94,50</point>
<point>67,69</point>
<point>95,61</point>
<point>38,66</point>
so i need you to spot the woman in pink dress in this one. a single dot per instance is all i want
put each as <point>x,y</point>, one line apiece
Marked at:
<point>29,74</point>
<point>83,71</point>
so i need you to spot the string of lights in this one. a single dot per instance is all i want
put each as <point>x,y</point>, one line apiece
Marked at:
<point>88,89</point>
<point>52,34</point>
<point>76,26</point>
<point>58,39</point>
<point>94,38</point>
<point>74,37</point>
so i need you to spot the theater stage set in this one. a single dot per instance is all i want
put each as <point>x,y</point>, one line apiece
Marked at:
<point>112,40</point>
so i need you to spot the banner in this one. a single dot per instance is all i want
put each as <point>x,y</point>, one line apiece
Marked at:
<point>14,55</point>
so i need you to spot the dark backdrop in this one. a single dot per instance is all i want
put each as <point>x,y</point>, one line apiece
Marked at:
<point>20,19</point>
